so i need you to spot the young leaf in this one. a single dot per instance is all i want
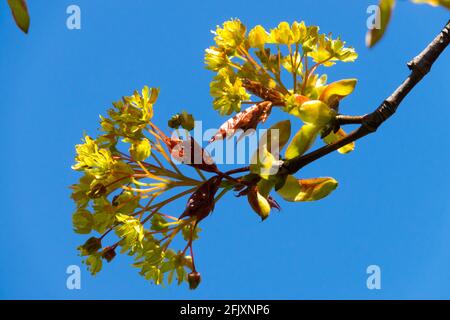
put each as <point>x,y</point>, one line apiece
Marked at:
<point>19,11</point>
<point>374,35</point>
<point>316,112</point>
<point>259,203</point>
<point>338,90</point>
<point>278,134</point>
<point>302,141</point>
<point>334,137</point>
<point>307,189</point>
<point>265,161</point>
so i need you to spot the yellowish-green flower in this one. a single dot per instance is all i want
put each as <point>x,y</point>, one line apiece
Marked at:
<point>228,92</point>
<point>282,34</point>
<point>92,159</point>
<point>216,59</point>
<point>230,36</point>
<point>299,32</point>
<point>258,37</point>
<point>328,50</point>
<point>140,150</point>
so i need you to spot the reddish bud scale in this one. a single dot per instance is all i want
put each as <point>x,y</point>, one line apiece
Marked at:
<point>263,92</point>
<point>244,120</point>
<point>192,154</point>
<point>201,202</point>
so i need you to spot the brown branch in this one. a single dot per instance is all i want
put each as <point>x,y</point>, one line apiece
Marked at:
<point>342,120</point>
<point>419,66</point>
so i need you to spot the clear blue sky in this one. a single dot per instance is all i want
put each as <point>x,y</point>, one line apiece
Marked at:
<point>392,207</point>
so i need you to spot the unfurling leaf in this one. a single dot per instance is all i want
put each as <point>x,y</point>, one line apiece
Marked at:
<point>19,11</point>
<point>201,202</point>
<point>336,91</point>
<point>334,137</point>
<point>276,136</point>
<point>302,141</point>
<point>306,189</point>
<point>244,120</point>
<point>265,161</point>
<point>316,112</point>
<point>374,35</point>
<point>258,203</point>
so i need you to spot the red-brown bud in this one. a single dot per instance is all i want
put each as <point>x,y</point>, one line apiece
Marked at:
<point>201,202</point>
<point>194,279</point>
<point>109,253</point>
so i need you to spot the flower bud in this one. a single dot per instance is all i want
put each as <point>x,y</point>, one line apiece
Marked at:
<point>184,120</point>
<point>257,37</point>
<point>91,246</point>
<point>194,279</point>
<point>97,191</point>
<point>109,253</point>
<point>140,150</point>
<point>175,121</point>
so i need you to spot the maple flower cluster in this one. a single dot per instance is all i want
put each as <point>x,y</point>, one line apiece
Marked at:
<point>129,176</point>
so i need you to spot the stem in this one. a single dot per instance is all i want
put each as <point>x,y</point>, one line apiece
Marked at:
<point>343,120</point>
<point>419,66</point>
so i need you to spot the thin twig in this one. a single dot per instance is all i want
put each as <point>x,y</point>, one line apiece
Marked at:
<point>419,66</point>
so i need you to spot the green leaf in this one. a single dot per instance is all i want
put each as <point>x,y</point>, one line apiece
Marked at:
<point>19,11</point>
<point>374,35</point>
<point>302,141</point>
<point>307,189</point>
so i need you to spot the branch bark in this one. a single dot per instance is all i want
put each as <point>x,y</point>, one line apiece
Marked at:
<point>419,66</point>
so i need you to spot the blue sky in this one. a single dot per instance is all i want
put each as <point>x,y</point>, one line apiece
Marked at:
<point>391,208</point>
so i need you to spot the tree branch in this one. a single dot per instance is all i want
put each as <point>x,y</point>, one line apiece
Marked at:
<point>419,66</point>
<point>342,119</point>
